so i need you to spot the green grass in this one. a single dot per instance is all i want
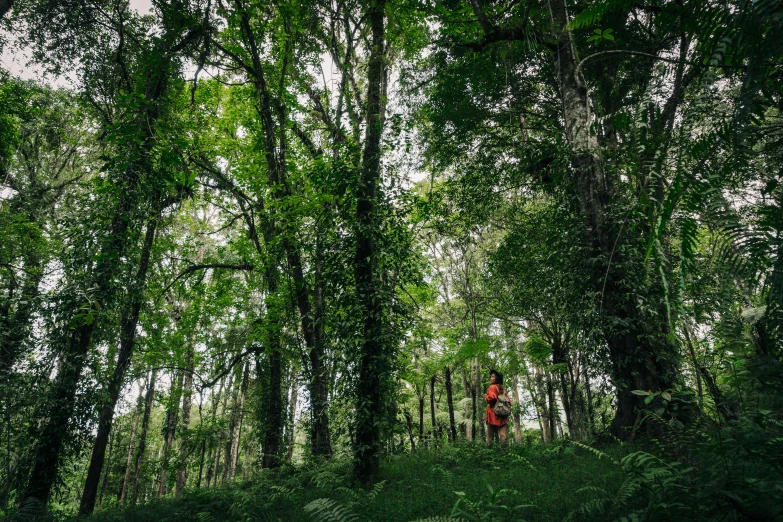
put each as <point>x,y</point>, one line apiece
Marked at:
<point>413,486</point>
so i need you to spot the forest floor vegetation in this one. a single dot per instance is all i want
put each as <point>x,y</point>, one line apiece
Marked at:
<point>524,482</point>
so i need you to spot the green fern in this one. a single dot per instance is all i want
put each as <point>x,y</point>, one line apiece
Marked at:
<point>375,491</point>
<point>328,510</point>
<point>600,454</point>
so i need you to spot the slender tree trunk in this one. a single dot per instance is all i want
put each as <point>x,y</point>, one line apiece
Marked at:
<point>172,419</point>
<point>275,417</point>
<point>204,450</point>
<point>552,406</point>
<point>373,366</point>
<point>215,467</point>
<point>127,343</point>
<point>517,411</point>
<point>134,428</point>
<point>478,389</point>
<point>201,463</point>
<point>241,416</point>
<point>275,149</point>
<point>232,428</point>
<point>717,396</point>
<point>692,353</point>
<point>470,421</point>
<point>319,401</point>
<point>139,459</point>
<point>540,400</point>
<point>187,400</point>
<point>409,425</point>
<point>432,407</point>
<point>291,414</point>
<point>107,469</point>
<point>450,404</point>
<point>421,417</point>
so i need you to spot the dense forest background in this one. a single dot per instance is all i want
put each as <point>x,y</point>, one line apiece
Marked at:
<point>258,254</point>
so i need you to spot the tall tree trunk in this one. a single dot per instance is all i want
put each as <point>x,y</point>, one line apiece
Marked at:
<point>517,411</point>
<point>477,389</point>
<point>142,447</point>
<point>274,414</point>
<point>421,417</point>
<point>373,366</point>
<point>187,400</point>
<point>232,427</point>
<point>432,407</point>
<point>559,354</point>
<point>552,406</point>
<point>172,419</point>
<point>204,450</point>
<point>106,469</point>
<point>470,421</point>
<point>215,465</point>
<point>241,416</point>
<point>127,343</point>
<point>291,414</point>
<point>409,425</point>
<point>275,149</point>
<point>637,363</point>
<point>134,429</point>
<point>540,401</point>
<point>450,404</point>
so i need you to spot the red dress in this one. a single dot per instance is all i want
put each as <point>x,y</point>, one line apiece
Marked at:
<point>491,397</point>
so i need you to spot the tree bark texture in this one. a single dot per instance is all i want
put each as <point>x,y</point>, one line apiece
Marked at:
<point>372,358</point>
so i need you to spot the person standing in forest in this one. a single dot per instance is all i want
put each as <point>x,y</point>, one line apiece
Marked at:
<point>498,409</point>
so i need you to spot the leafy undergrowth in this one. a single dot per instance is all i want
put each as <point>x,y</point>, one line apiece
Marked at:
<point>533,483</point>
<point>699,473</point>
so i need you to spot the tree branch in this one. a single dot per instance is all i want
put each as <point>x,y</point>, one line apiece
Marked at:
<point>196,268</point>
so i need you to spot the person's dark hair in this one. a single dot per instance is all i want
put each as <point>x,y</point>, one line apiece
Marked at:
<point>498,376</point>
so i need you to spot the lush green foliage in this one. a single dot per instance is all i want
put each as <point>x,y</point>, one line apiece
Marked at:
<point>257,259</point>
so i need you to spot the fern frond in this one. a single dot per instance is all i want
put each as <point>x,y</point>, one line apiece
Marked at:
<point>328,510</point>
<point>376,490</point>
<point>600,454</point>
